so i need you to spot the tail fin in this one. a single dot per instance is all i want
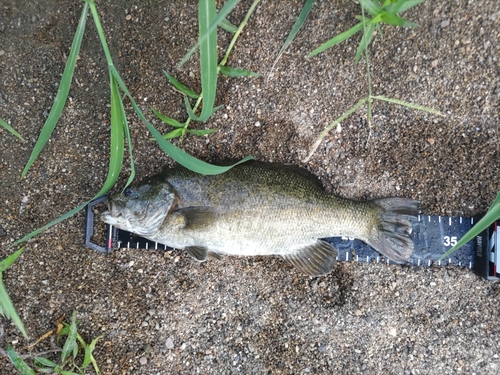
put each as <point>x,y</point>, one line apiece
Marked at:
<point>391,236</point>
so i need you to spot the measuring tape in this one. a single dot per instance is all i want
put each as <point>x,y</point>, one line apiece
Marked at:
<point>432,237</point>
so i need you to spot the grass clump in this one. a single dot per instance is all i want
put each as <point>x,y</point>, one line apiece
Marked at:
<point>70,363</point>
<point>210,70</point>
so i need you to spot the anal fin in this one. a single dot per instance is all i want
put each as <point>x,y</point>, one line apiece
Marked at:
<point>316,259</point>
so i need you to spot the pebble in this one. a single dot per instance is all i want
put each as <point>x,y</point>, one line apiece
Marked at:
<point>170,343</point>
<point>143,360</point>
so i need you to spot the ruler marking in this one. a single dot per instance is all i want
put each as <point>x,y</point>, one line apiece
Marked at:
<point>460,219</point>
<point>472,221</point>
<point>439,218</point>
<point>449,221</point>
<point>128,245</point>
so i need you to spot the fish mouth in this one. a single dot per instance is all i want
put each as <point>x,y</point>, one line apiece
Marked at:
<point>115,208</point>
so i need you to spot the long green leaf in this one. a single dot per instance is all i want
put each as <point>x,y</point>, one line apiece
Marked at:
<point>237,72</point>
<point>126,130</point>
<point>409,105</point>
<point>44,362</point>
<point>88,357</point>
<point>167,120</point>
<point>371,7</point>
<point>62,92</point>
<point>228,26</point>
<point>365,41</point>
<point>117,137</point>
<point>226,9</point>
<point>296,27</point>
<point>8,308</point>
<point>337,39</point>
<point>18,363</point>
<point>491,216</point>
<point>7,262</point>
<point>70,345</point>
<point>174,133</point>
<point>403,5</point>
<point>208,57</point>
<point>181,87</point>
<point>175,152</point>
<point>11,129</point>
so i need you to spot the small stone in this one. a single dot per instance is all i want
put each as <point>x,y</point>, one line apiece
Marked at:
<point>431,141</point>
<point>128,17</point>
<point>445,23</point>
<point>434,63</point>
<point>143,360</point>
<point>170,343</point>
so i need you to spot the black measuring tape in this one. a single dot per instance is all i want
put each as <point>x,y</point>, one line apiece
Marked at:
<point>432,236</point>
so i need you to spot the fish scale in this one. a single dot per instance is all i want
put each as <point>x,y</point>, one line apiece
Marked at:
<point>432,237</point>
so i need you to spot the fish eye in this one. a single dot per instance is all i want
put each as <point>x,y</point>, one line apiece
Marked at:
<point>128,192</point>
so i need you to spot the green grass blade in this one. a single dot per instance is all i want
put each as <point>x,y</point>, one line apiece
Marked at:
<point>126,130</point>
<point>174,133</point>
<point>392,19</point>
<point>201,132</point>
<point>236,72</point>
<point>175,152</point>
<point>226,9</point>
<point>117,137</point>
<point>70,345</point>
<point>228,26</point>
<point>8,309</point>
<point>337,39</point>
<point>40,361</point>
<point>208,57</point>
<point>215,109</point>
<point>62,93</point>
<point>7,262</point>
<point>327,129</point>
<point>403,5</point>
<point>409,105</point>
<point>371,7</point>
<point>488,219</point>
<point>88,355</point>
<point>190,111</point>
<point>167,120</point>
<point>18,363</point>
<point>495,202</point>
<point>11,129</point>
<point>365,41</point>
<point>181,87</point>
<point>296,27</point>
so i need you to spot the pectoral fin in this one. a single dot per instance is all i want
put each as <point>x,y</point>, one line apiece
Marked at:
<point>316,259</point>
<point>196,217</point>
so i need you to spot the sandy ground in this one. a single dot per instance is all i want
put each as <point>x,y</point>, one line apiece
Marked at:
<point>162,313</point>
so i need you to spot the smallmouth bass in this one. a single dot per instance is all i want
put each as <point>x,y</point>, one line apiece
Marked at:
<point>259,208</point>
